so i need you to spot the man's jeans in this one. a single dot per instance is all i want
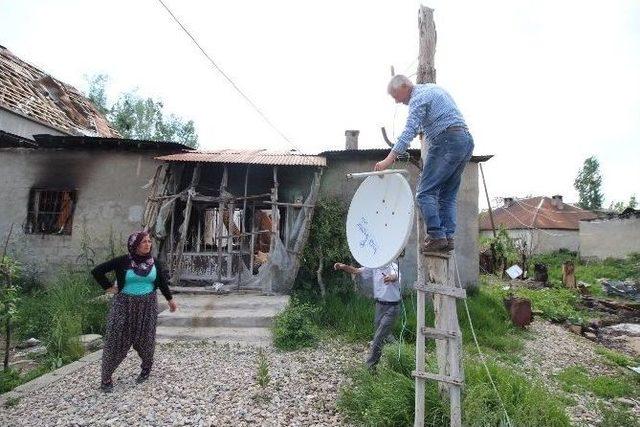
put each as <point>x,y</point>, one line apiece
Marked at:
<point>447,157</point>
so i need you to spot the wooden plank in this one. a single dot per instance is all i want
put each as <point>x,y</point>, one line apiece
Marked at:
<point>437,333</point>
<point>455,349</point>
<point>435,288</point>
<point>443,255</point>
<point>183,230</point>
<point>437,377</point>
<point>221,207</point>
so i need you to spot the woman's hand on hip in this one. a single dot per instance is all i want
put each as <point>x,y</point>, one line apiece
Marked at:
<point>113,289</point>
<point>172,305</point>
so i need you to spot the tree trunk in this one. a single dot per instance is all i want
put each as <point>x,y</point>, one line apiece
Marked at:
<point>7,344</point>
<point>323,289</point>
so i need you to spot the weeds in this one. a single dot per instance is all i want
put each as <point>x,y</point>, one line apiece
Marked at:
<point>12,401</point>
<point>612,357</point>
<point>294,327</point>
<point>262,376</point>
<point>387,398</point>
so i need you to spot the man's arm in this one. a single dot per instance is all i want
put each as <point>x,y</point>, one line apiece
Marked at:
<point>417,114</point>
<point>348,268</point>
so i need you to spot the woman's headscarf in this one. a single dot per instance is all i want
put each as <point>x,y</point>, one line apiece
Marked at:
<point>140,264</point>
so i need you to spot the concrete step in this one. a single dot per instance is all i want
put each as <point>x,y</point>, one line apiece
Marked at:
<point>227,317</point>
<point>236,301</point>
<point>252,336</point>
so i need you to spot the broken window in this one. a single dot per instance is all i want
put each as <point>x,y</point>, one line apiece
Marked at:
<point>50,211</point>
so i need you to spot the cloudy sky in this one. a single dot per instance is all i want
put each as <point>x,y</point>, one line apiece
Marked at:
<point>543,84</point>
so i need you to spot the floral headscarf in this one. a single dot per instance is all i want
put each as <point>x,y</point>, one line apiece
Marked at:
<point>140,264</point>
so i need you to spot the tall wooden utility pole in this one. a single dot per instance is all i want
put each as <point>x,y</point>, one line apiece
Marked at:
<point>435,276</point>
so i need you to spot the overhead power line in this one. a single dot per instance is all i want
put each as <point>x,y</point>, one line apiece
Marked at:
<point>235,86</point>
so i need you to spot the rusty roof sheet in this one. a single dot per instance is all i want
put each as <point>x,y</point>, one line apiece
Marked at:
<point>31,93</point>
<point>257,157</point>
<point>537,212</point>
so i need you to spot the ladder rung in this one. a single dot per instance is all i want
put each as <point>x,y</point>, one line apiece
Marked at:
<point>435,288</point>
<point>438,377</point>
<point>438,333</point>
<point>443,255</point>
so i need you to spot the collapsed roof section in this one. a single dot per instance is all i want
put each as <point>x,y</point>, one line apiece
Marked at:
<point>30,92</point>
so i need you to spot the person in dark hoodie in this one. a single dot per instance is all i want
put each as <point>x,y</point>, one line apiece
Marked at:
<point>134,310</point>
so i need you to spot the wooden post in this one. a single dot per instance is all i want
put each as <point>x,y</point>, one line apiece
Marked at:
<point>486,193</point>
<point>221,207</point>
<point>185,225</point>
<point>230,228</point>
<point>243,226</point>
<point>568,275</point>
<point>426,74</point>
<point>252,243</point>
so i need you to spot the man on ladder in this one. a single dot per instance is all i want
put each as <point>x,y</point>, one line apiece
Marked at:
<point>433,111</point>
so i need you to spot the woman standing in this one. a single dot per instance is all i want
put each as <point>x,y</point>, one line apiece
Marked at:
<point>134,312</point>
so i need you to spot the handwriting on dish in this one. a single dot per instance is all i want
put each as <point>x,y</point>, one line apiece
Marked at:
<point>367,238</point>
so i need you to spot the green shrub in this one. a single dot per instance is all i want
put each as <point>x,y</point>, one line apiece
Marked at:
<point>294,327</point>
<point>9,380</point>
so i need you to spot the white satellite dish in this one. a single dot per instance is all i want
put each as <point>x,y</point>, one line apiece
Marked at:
<point>380,219</point>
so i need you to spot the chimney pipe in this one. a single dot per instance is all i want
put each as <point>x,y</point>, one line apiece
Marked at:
<point>351,142</point>
<point>508,201</point>
<point>557,201</point>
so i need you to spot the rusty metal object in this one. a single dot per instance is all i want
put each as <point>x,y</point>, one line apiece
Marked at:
<point>520,310</point>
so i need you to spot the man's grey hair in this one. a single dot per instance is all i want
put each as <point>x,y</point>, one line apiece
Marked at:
<point>398,81</point>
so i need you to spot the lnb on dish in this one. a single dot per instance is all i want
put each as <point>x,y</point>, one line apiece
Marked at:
<point>380,217</point>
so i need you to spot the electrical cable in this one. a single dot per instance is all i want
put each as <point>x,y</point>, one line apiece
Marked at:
<point>475,340</point>
<point>217,67</point>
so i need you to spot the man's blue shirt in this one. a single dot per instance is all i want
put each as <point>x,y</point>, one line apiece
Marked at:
<point>431,110</point>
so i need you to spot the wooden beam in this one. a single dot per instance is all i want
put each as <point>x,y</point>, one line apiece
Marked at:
<point>221,207</point>
<point>175,280</point>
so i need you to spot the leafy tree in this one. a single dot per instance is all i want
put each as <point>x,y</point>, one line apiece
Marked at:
<point>588,183</point>
<point>620,206</point>
<point>632,202</point>
<point>327,242</point>
<point>136,117</point>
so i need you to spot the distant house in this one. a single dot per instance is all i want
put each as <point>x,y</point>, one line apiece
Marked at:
<point>70,186</point>
<point>612,236</point>
<point>545,224</point>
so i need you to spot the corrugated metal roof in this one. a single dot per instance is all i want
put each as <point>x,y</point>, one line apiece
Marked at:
<point>258,157</point>
<point>537,212</point>
<point>32,93</point>
<point>414,152</point>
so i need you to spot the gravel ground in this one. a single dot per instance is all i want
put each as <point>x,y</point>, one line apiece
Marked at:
<point>198,384</point>
<point>552,349</point>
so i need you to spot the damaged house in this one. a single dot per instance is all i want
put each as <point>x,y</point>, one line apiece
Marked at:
<point>71,189</point>
<point>239,218</point>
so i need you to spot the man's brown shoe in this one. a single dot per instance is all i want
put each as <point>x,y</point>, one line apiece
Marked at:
<point>434,245</point>
<point>450,244</point>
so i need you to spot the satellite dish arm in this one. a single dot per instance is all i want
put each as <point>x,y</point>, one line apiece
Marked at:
<point>405,156</point>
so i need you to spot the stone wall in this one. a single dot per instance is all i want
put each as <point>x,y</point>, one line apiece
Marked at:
<point>110,201</point>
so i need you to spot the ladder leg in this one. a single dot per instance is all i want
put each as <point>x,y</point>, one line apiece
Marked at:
<point>420,382</point>
<point>454,348</point>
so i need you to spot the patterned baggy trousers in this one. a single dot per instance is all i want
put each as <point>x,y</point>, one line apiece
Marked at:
<point>131,322</point>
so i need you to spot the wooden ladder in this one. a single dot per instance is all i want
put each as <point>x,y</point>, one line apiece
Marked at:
<point>440,284</point>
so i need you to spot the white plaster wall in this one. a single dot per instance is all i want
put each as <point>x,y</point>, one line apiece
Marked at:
<point>542,241</point>
<point>612,238</point>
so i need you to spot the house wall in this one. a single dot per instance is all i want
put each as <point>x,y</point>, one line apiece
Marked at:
<point>542,241</point>
<point>609,238</point>
<point>18,125</point>
<point>110,201</point>
<point>335,185</point>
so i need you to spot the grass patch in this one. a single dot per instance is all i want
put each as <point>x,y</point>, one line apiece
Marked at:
<point>387,398</point>
<point>557,304</point>
<point>617,416</point>
<point>576,379</point>
<point>294,327</point>
<point>589,271</point>
<point>612,357</point>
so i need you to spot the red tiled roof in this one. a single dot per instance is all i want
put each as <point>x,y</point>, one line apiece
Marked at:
<point>31,93</point>
<point>537,212</point>
<point>260,157</point>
